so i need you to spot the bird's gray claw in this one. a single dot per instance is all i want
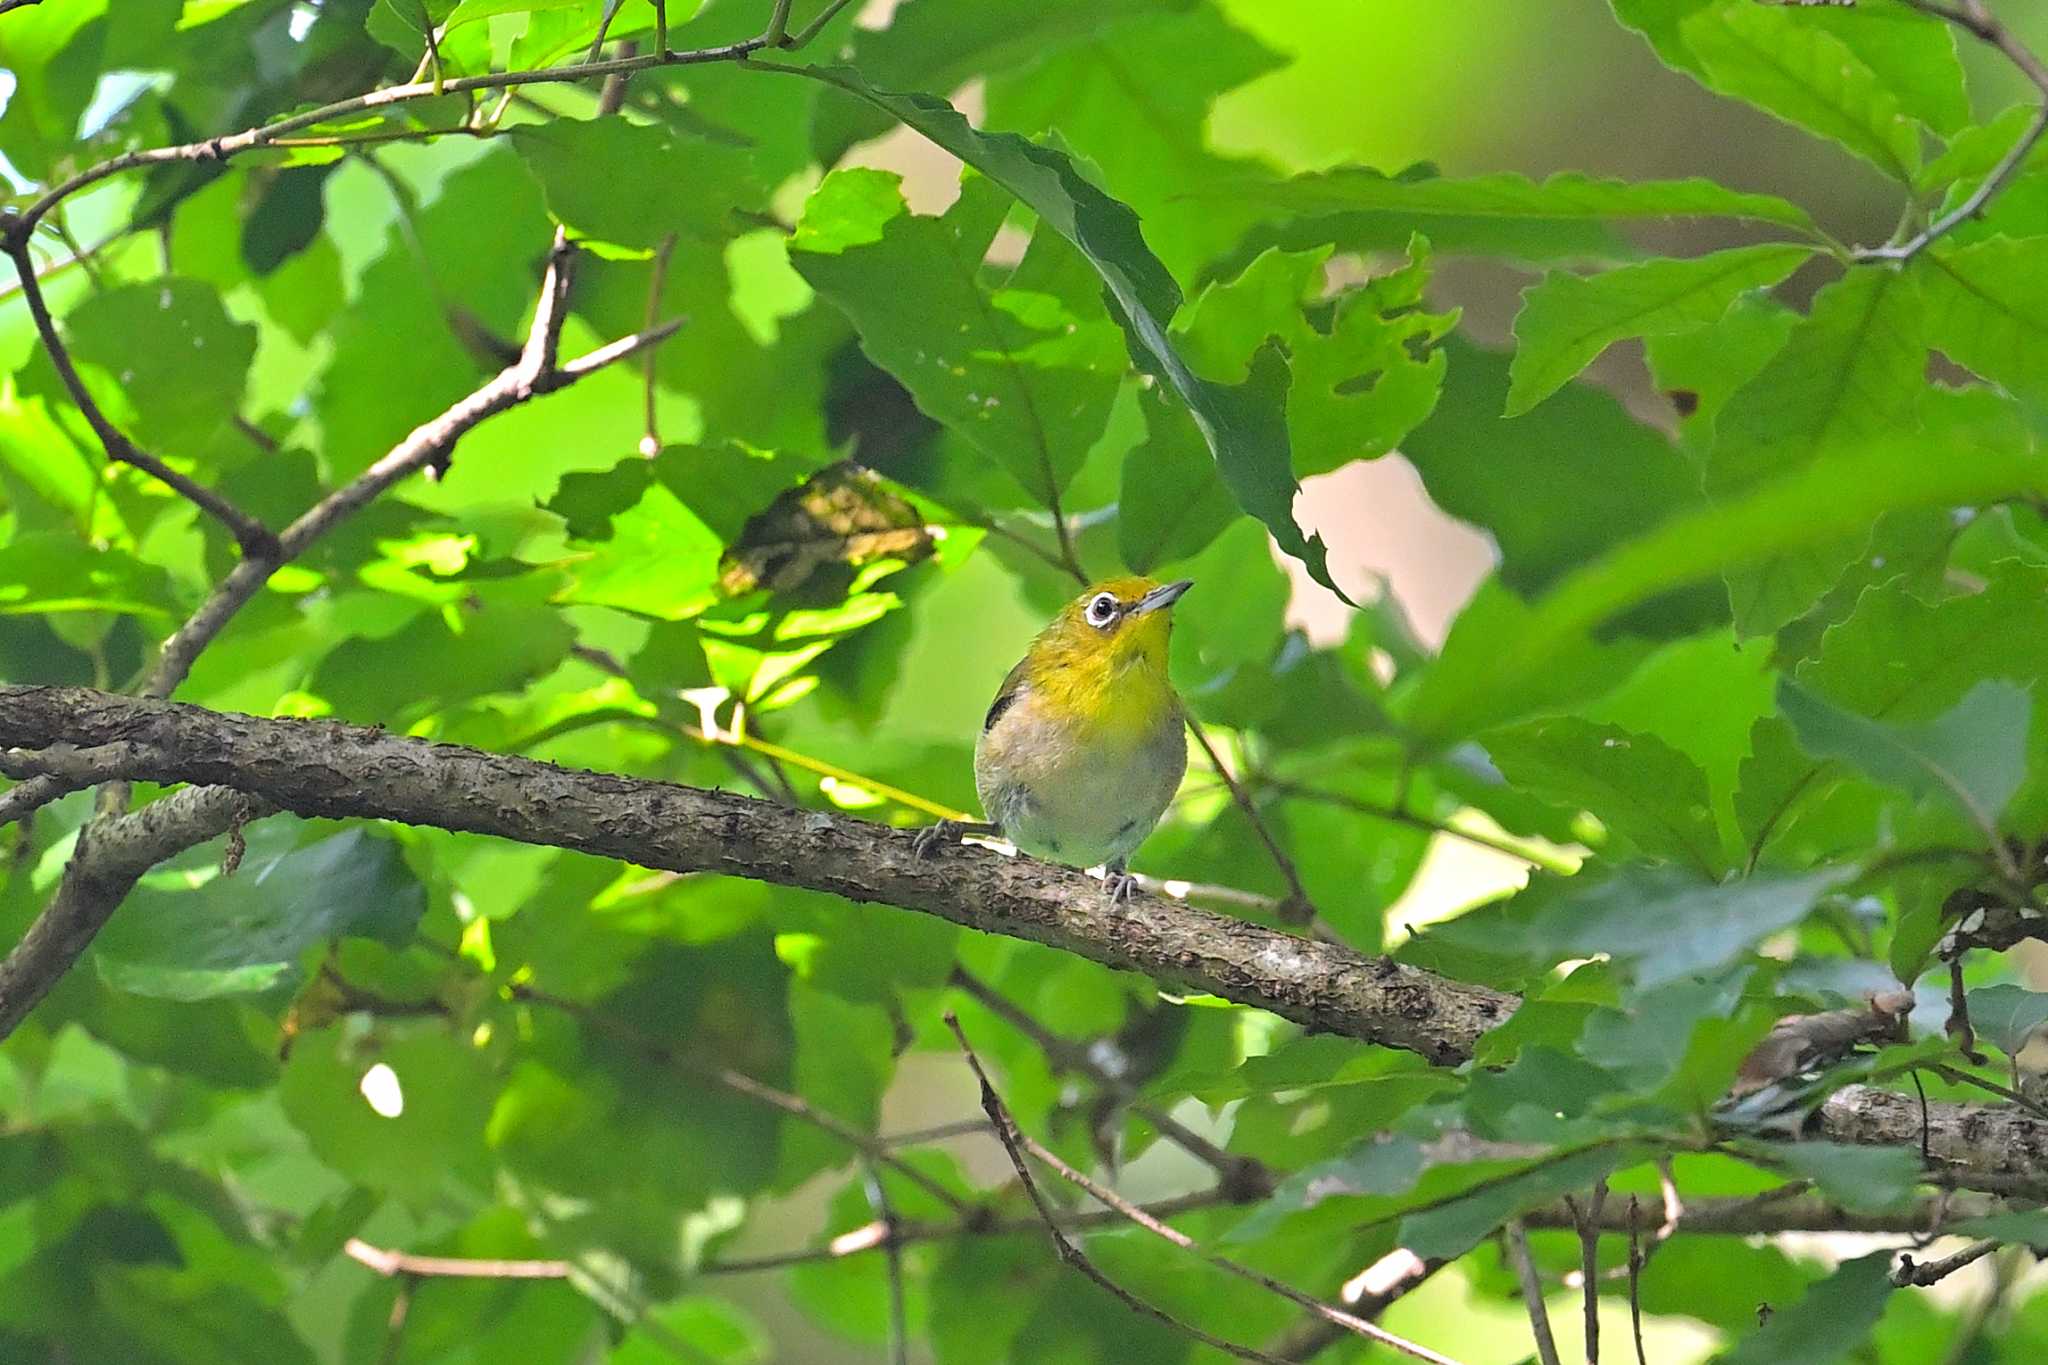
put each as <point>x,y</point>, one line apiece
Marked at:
<point>928,840</point>
<point>1120,885</point>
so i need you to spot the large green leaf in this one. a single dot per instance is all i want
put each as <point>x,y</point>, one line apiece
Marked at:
<point>245,934</point>
<point>1828,1323</point>
<point>1016,375</point>
<point>1668,923</point>
<point>1567,320</point>
<point>1987,308</point>
<point>1818,505</point>
<point>1849,373</point>
<point>1565,197</point>
<point>2007,1015</point>
<point>1973,755</point>
<point>187,380</point>
<point>1244,426</point>
<point>1807,77</point>
<point>1639,787</point>
<point>680,183</point>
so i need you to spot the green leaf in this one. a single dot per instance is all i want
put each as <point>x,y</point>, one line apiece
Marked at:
<point>245,934</point>
<point>1135,101</point>
<point>1567,320</point>
<point>1973,756</point>
<point>1173,502</point>
<point>1862,1179</point>
<point>1818,505</point>
<point>1565,197</point>
<point>1987,308</point>
<point>1011,371</point>
<point>52,572</point>
<point>1245,427</point>
<point>1454,1228</point>
<point>1554,488</point>
<point>1668,924</point>
<point>2007,1015</point>
<point>1851,372</point>
<point>636,183</point>
<point>1833,1318</point>
<point>1807,77</point>
<point>189,376</point>
<point>1912,52</point>
<point>1640,788</point>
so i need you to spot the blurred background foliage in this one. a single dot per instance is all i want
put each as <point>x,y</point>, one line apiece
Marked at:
<point>1705,627</point>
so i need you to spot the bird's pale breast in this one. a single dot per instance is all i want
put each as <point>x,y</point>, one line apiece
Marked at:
<point>1073,797</point>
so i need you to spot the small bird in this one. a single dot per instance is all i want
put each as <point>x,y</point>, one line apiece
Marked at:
<point>1082,748</point>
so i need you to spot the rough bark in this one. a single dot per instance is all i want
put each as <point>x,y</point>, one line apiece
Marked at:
<point>319,768</point>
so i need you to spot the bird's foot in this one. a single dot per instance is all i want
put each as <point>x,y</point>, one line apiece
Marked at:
<point>928,840</point>
<point>1119,885</point>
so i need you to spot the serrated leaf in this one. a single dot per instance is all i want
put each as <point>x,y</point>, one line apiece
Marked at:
<point>1851,371</point>
<point>1668,924</point>
<point>1973,756</point>
<point>1807,77</point>
<point>1245,426</point>
<point>189,378</point>
<point>1640,787</point>
<point>1987,308</point>
<point>1912,52</point>
<point>1173,502</point>
<point>1013,376</point>
<point>1568,320</point>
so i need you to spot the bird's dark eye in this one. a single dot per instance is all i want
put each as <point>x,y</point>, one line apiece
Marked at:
<point>1102,610</point>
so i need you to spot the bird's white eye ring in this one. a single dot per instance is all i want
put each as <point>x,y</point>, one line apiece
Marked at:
<point>1102,610</point>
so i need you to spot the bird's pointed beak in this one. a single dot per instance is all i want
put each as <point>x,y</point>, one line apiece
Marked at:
<point>1165,595</point>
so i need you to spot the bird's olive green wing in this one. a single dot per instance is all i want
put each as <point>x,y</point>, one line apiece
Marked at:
<point>1006,696</point>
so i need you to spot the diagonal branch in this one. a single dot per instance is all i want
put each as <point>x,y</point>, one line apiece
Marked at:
<point>258,542</point>
<point>249,766</point>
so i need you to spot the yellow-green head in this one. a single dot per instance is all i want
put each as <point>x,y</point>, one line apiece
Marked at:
<point>1101,662</point>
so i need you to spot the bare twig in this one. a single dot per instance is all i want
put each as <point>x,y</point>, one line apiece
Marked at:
<point>1911,1272</point>
<point>1635,1280</point>
<point>27,797</point>
<point>1246,1178</point>
<point>657,280</point>
<point>658,1050</point>
<point>1298,908</point>
<point>1975,18</point>
<point>892,1250</point>
<point>1015,1138</point>
<point>1587,1224</point>
<point>394,1323</point>
<point>386,1262</point>
<point>257,540</point>
<point>1532,1290</point>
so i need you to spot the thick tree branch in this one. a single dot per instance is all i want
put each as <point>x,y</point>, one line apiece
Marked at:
<point>319,768</point>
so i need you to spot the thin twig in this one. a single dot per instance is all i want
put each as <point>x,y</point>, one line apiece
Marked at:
<point>1975,18</point>
<point>811,30</point>
<point>650,439</point>
<point>1517,1240</point>
<point>1015,1138</point>
<point>26,798</point>
<point>1299,909</point>
<point>1246,1177</point>
<point>257,540</point>
<point>388,1263</point>
<point>1911,1272</point>
<point>394,1324</point>
<point>1635,1279</point>
<point>1588,1227</point>
<point>656,1049</point>
<point>892,1250</point>
<point>1012,1139</point>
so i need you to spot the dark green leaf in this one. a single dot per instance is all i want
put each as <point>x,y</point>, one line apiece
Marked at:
<point>1973,755</point>
<point>1669,924</point>
<point>1830,1321</point>
<point>1639,787</point>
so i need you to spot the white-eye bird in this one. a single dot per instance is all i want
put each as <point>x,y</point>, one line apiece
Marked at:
<point>1083,747</point>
